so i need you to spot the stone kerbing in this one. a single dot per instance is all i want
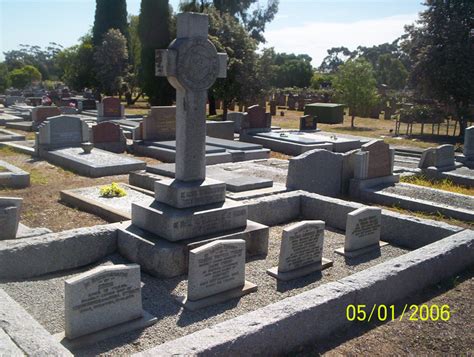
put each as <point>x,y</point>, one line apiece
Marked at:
<point>29,337</point>
<point>26,258</point>
<point>321,311</point>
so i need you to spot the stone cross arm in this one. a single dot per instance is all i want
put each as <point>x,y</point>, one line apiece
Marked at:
<point>165,63</point>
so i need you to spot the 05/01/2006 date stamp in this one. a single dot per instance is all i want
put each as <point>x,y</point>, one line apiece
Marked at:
<point>391,312</point>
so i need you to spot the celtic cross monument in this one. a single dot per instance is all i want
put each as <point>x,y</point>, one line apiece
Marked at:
<point>191,64</point>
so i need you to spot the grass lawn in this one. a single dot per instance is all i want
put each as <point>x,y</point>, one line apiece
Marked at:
<point>445,185</point>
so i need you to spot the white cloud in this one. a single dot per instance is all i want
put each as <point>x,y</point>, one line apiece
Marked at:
<point>315,38</point>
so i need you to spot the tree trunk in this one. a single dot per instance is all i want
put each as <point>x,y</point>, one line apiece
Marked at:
<point>225,105</point>
<point>352,121</point>
<point>422,127</point>
<point>138,97</point>
<point>212,104</point>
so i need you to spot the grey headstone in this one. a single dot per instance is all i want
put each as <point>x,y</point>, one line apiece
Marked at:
<point>363,228</point>
<point>469,143</point>
<point>317,171</point>
<point>63,131</point>
<point>301,245</point>
<point>10,208</point>
<point>216,267</point>
<point>103,297</point>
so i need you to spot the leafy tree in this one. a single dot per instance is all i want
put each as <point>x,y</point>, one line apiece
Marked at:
<point>336,57</point>
<point>41,58</point>
<point>154,31</point>
<point>229,36</point>
<point>355,86</point>
<point>23,77</point>
<point>74,64</point>
<point>441,48</point>
<point>4,80</point>
<point>391,71</point>
<point>293,70</point>
<point>248,12</point>
<point>321,80</point>
<point>111,59</point>
<point>109,14</point>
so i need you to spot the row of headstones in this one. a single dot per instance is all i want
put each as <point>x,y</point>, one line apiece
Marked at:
<point>443,157</point>
<point>70,131</point>
<point>111,295</point>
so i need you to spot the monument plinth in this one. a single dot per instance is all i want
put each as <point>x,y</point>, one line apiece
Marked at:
<point>191,207</point>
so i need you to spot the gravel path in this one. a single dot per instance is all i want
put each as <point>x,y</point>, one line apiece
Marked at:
<point>428,194</point>
<point>43,298</point>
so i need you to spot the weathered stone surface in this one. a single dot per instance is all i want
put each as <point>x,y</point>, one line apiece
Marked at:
<point>25,332</point>
<point>160,124</point>
<point>10,208</point>
<point>363,228</point>
<point>316,171</point>
<point>101,298</point>
<point>164,259</point>
<point>191,64</point>
<point>216,267</point>
<point>13,177</point>
<point>26,258</point>
<point>308,122</point>
<point>220,129</point>
<point>301,244</point>
<point>181,194</point>
<point>439,157</point>
<point>380,158</point>
<point>178,224</point>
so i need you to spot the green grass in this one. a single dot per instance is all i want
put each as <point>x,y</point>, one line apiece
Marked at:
<point>37,177</point>
<point>7,151</point>
<point>445,185</point>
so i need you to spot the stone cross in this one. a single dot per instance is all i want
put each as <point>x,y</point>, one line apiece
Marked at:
<point>191,64</point>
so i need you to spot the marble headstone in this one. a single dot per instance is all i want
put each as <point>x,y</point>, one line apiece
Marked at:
<point>441,157</point>
<point>301,251</point>
<point>41,113</point>
<point>62,131</point>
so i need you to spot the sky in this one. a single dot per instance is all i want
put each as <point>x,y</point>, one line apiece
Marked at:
<point>301,26</point>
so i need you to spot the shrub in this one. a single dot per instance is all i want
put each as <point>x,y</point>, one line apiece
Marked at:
<point>112,190</point>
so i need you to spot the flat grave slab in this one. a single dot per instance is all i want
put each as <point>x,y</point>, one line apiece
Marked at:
<point>234,182</point>
<point>24,146</point>
<point>425,199</point>
<point>12,176</point>
<point>113,209</point>
<point>6,135</point>
<point>232,144</point>
<point>96,164</point>
<point>9,118</point>
<point>172,146</point>
<point>20,125</point>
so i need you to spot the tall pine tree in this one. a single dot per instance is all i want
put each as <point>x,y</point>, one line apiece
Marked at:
<point>109,14</point>
<point>154,30</point>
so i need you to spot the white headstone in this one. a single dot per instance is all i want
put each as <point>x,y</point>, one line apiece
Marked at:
<point>216,267</point>
<point>363,228</point>
<point>101,298</point>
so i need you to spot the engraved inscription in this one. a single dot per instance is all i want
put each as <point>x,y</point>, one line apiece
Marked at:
<point>366,226</point>
<point>107,292</point>
<point>303,247</point>
<point>216,267</point>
